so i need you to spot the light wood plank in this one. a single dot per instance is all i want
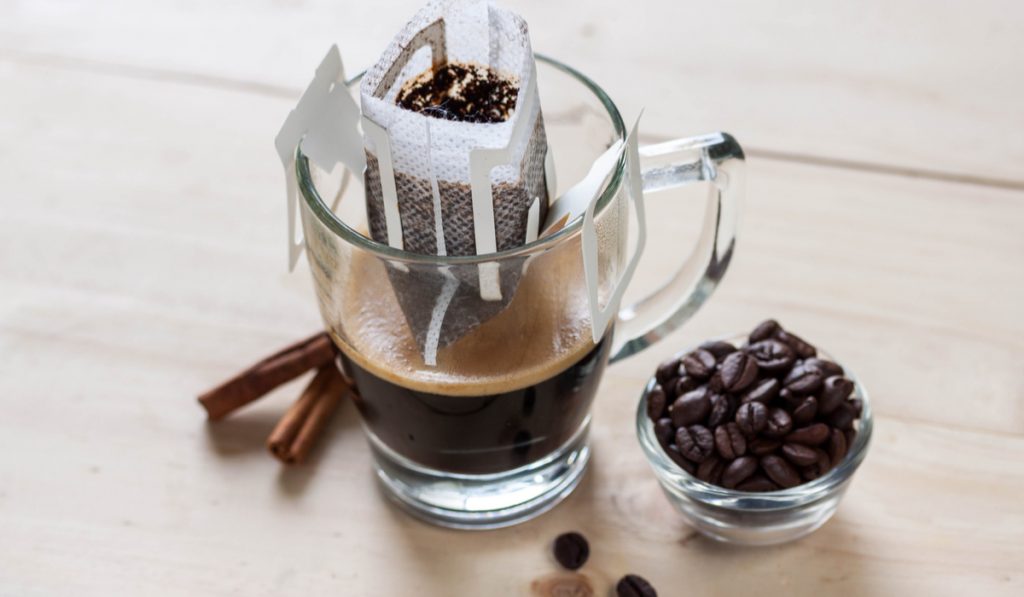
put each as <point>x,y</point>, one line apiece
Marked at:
<point>142,259</point>
<point>912,85</point>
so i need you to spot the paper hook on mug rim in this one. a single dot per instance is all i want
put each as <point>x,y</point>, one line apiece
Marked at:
<point>326,122</point>
<point>600,318</point>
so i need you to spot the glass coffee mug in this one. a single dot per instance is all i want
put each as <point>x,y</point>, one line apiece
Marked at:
<point>477,411</point>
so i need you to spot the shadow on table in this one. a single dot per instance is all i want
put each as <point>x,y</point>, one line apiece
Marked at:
<point>245,433</point>
<point>241,433</point>
<point>292,480</point>
<point>417,547</point>
<point>827,561</point>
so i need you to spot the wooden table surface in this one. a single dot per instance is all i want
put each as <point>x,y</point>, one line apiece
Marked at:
<point>142,259</point>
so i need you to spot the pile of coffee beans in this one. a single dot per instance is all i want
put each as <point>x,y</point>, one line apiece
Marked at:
<point>764,416</point>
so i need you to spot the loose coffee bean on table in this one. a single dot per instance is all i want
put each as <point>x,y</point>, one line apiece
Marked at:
<point>767,415</point>
<point>632,585</point>
<point>571,550</point>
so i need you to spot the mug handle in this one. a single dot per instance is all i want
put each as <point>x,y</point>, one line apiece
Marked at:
<point>716,158</point>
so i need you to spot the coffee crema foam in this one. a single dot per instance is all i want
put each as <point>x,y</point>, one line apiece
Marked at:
<point>544,330</point>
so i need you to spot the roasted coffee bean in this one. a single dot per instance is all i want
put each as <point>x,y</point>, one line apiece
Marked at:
<point>842,417</point>
<point>719,348</point>
<point>715,384</point>
<point>836,446</point>
<point>721,410</point>
<point>804,350</point>
<point>729,441</point>
<point>699,364</point>
<point>778,424</point>
<point>811,435</point>
<point>677,457</point>
<point>692,407</point>
<point>695,442</point>
<point>851,435</point>
<point>632,585</point>
<point>710,471</point>
<point>789,399</point>
<point>738,470</point>
<point>827,368</point>
<point>656,403</point>
<point>571,550</point>
<point>803,380</point>
<point>857,405</point>
<point>757,482</point>
<point>799,455</point>
<point>762,445</point>
<point>833,392</point>
<point>751,417</point>
<point>739,370</point>
<point>664,431</point>
<point>684,384</point>
<point>780,471</point>
<point>667,370</point>
<point>763,391</point>
<point>821,466</point>
<point>773,357</point>
<point>805,411</point>
<point>765,330</point>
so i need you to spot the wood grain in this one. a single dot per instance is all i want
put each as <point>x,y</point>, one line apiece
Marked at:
<point>142,257</point>
<point>915,86</point>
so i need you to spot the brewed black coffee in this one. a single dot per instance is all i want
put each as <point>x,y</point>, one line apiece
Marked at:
<point>486,433</point>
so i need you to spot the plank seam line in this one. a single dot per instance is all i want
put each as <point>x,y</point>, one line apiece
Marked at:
<point>142,72</point>
<point>267,89</point>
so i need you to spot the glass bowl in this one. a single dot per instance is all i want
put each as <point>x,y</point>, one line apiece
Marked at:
<point>747,518</point>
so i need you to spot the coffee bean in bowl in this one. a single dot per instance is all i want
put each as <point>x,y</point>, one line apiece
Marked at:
<point>763,443</point>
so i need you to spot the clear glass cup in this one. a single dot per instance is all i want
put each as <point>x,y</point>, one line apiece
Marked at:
<point>747,518</point>
<point>477,404</point>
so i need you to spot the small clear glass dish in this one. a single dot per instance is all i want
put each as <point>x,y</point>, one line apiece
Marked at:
<point>746,518</point>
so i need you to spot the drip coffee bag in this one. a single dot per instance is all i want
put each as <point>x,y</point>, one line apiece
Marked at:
<point>455,159</point>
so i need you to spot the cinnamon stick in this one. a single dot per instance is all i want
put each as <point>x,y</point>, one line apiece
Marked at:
<point>267,374</point>
<point>294,436</point>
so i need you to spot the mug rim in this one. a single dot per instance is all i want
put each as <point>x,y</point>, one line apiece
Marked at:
<point>328,218</point>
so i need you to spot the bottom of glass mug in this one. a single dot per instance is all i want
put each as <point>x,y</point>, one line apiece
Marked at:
<point>480,502</point>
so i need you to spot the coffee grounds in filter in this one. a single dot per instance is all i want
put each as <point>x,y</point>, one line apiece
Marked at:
<point>463,92</point>
<point>469,92</point>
